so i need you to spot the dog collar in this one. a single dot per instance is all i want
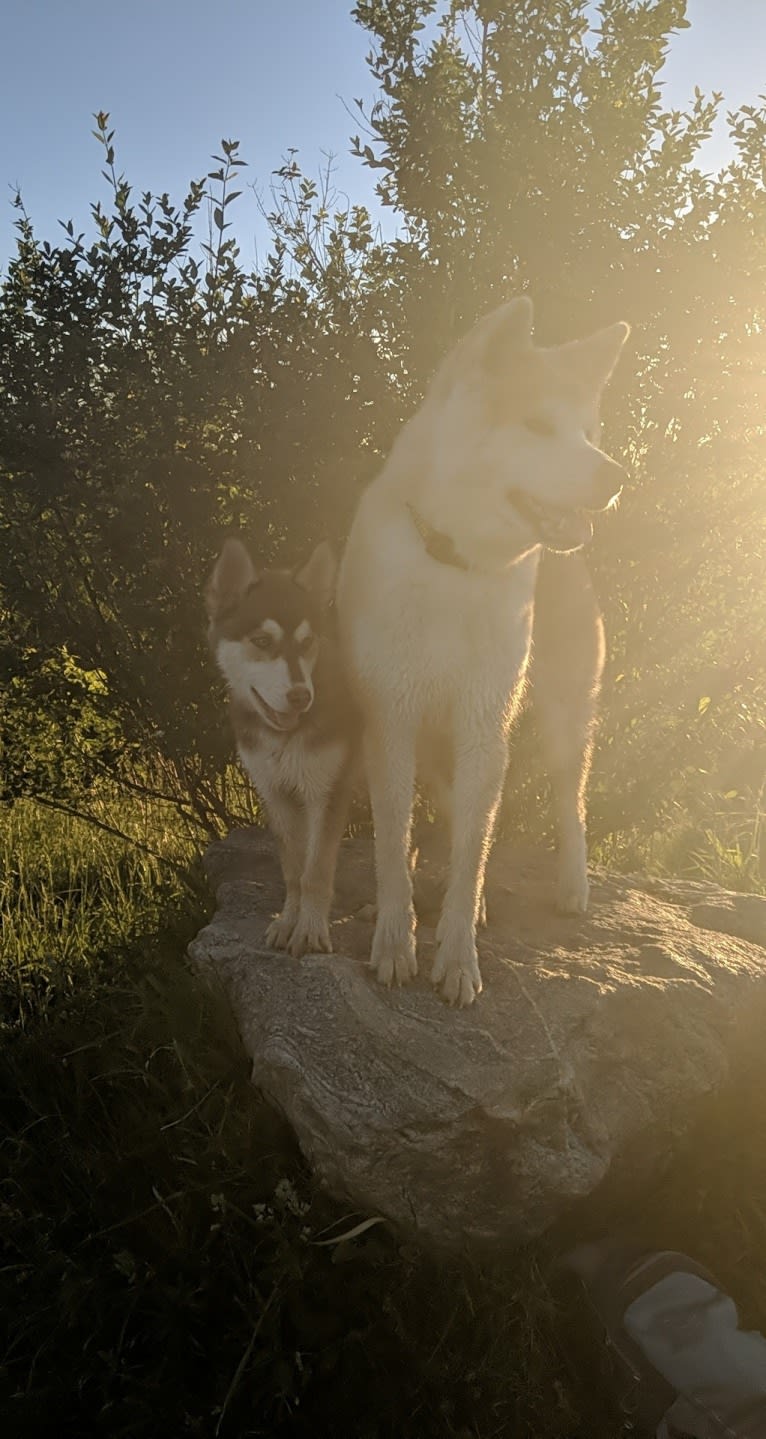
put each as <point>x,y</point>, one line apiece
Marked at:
<point>438,545</point>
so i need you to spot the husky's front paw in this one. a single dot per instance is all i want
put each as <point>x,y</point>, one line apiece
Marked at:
<point>456,971</point>
<point>393,954</point>
<point>311,934</point>
<point>279,931</point>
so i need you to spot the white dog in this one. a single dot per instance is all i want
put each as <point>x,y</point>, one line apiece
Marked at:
<point>436,599</point>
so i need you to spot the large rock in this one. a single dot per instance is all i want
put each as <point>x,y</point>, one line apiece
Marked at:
<point>583,1058</point>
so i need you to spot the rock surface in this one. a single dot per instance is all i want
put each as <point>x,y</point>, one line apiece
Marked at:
<point>584,1056</point>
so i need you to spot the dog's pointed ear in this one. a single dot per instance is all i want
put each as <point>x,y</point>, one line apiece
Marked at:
<point>505,332</point>
<point>596,357</point>
<point>319,574</point>
<point>233,575</point>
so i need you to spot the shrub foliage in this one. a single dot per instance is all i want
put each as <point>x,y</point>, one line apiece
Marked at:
<point>155,395</point>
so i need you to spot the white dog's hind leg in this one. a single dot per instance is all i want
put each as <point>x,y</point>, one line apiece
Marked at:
<point>565,733</point>
<point>568,787</point>
<point>568,660</point>
<point>479,772</point>
<point>390,761</point>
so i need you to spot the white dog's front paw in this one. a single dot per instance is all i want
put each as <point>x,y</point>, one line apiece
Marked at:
<point>279,931</point>
<point>311,934</point>
<point>393,954</point>
<point>572,892</point>
<point>456,971</point>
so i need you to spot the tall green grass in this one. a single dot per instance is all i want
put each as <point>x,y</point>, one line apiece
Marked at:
<point>724,845</point>
<point>74,896</point>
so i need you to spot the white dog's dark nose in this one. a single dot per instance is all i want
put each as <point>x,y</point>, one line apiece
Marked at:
<point>299,697</point>
<point>606,485</point>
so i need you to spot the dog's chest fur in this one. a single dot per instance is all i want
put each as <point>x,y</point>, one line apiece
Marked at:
<point>436,634</point>
<point>294,765</point>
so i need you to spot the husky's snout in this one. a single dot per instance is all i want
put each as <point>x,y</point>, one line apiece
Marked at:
<point>299,698</point>
<point>606,485</point>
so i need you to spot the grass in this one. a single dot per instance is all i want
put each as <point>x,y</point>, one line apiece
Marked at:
<point>72,895</point>
<point>726,846</point>
<point>163,1264</point>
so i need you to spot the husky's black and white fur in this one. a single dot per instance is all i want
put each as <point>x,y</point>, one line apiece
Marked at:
<point>294,725</point>
<point>436,603</point>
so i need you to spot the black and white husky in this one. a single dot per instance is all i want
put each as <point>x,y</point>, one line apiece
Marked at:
<point>294,724</point>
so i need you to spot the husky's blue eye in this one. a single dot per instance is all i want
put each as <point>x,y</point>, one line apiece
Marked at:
<point>261,642</point>
<point>306,644</point>
<point>538,425</point>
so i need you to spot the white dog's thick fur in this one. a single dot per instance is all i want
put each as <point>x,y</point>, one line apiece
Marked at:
<point>436,599</point>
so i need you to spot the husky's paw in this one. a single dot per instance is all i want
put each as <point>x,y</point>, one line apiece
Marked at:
<point>393,954</point>
<point>456,968</point>
<point>311,935</point>
<point>279,931</point>
<point>572,894</point>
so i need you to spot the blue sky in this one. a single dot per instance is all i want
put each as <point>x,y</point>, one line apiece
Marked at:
<point>176,75</point>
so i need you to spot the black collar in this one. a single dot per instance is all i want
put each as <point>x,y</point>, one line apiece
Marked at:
<point>438,545</point>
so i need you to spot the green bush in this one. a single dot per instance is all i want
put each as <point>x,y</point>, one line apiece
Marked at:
<point>153,398</point>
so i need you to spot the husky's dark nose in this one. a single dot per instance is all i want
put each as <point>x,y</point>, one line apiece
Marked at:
<point>299,697</point>
<point>607,483</point>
